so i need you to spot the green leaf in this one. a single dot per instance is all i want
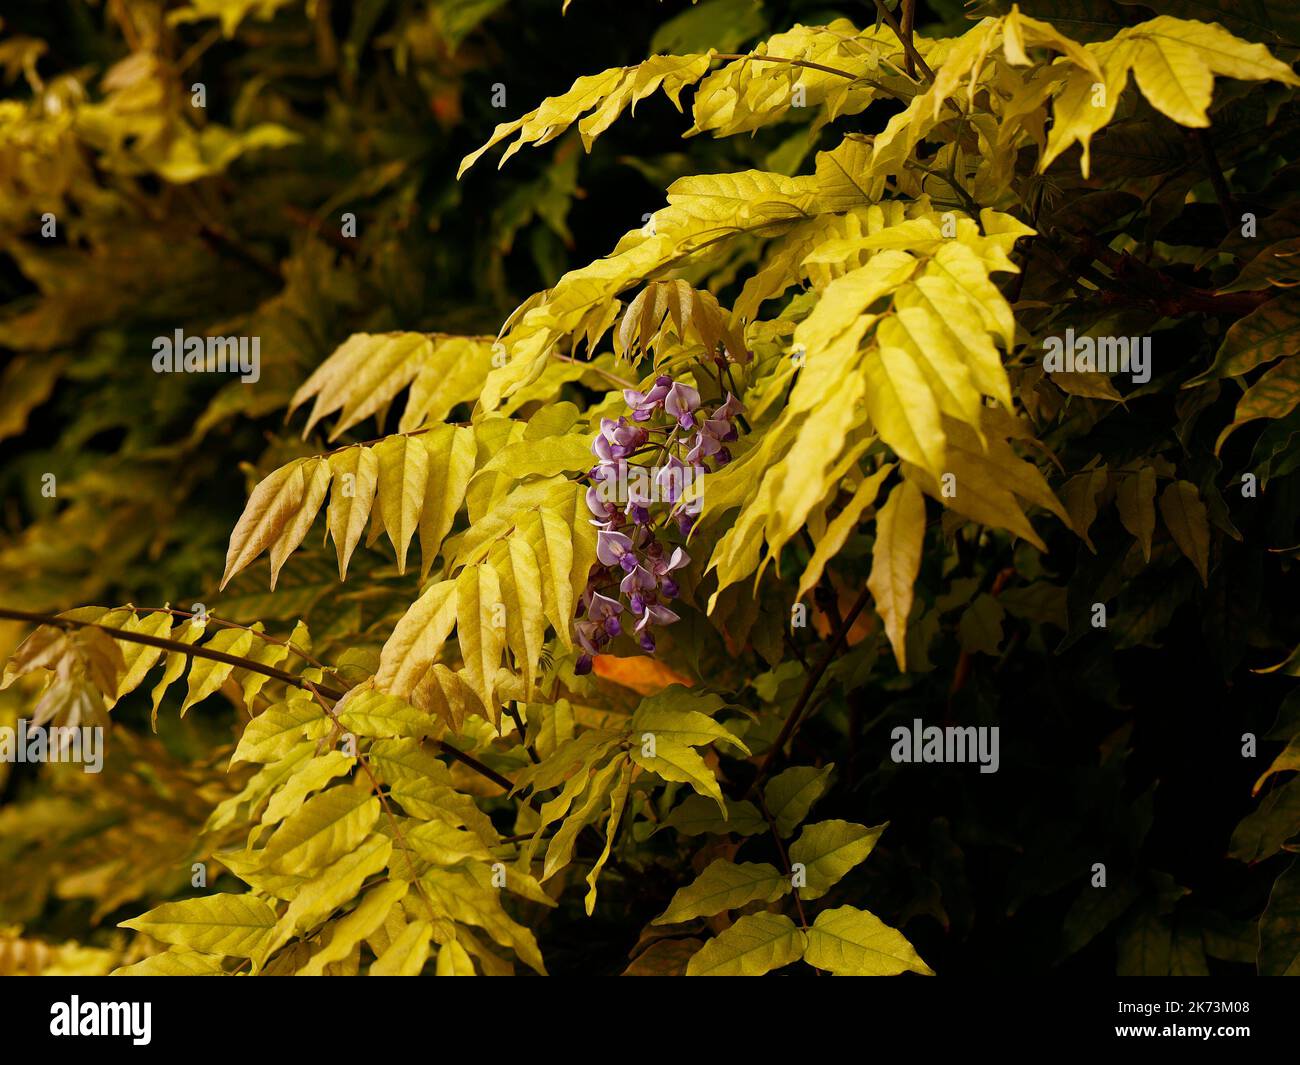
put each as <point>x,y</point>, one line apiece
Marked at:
<point>675,761</point>
<point>1135,498</point>
<point>851,942</point>
<point>753,946</point>
<point>1185,517</point>
<point>828,850</point>
<point>725,885</point>
<point>174,963</point>
<point>790,795</point>
<point>206,675</point>
<point>1279,926</point>
<point>697,815</point>
<point>374,714</point>
<point>329,825</point>
<point>232,925</point>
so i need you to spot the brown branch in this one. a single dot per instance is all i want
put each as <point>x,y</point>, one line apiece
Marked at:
<point>792,62</point>
<point>1220,183</point>
<point>840,635</point>
<point>905,40</point>
<point>223,244</point>
<point>378,791</point>
<point>167,645</point>
<point>909,20</point>
<point>513,711</point>
<point>1134,283</point>
<point>192,651</point>
<point>785,860</point>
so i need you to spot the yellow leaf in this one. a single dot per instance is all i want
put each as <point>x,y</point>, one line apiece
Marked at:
<point>753,946</point>
<point>903,409</point>
<point>272,506</point>
<point>895,562</point>
<point>481,631</point>
<point>329,825</point>
<point>851,942</point>
<point>1135,499</point>
<point>316,474</point>
<point>841,527</point>
<point>356,477</point>
<point>552,544</point>
<point>617,801</point>
<point>358,924</point>
<point>206,675</point>
<point>407,953</point>
<point>416,639</point>
<point>725,885</point>
<point>233,925</point>
<point>453,960</point>
<point>1185,517</point>
<point>403,481</point>
<point>828,850</point>
<point>521,587</point>
<point>451,465</point>
<point>1275,395</point>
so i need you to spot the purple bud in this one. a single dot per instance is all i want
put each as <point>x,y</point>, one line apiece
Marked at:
<point>583,666</point>
<point>647,642</point>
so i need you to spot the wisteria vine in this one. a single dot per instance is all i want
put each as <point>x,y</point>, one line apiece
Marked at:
<point>634,502</point>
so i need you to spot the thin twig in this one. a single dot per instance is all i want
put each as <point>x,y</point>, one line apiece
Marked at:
<point>792,62</point>
<point>622,382</point>
<point>1221,190</point>
<point>378,791</point>
<point>909,20</point>
<point>192,651</point>
<point>513,711</point>
<point>810,685</point>
<point>905,40</point>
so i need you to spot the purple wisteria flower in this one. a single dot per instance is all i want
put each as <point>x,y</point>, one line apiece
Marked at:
<point>633,502</point>
<point>644,404</point>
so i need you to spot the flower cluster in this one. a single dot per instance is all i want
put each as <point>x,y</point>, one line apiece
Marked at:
<point>633,502</point>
